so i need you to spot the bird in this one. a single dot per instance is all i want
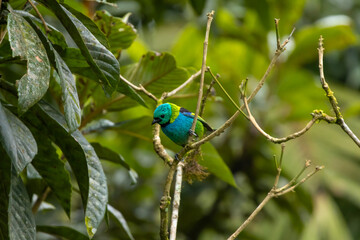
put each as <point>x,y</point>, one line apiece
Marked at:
<point>176,123</point>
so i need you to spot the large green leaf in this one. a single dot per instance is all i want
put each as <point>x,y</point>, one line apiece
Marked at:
<point>62,231</point>
<point>102,61</point>
<point>66,80</point>
<point>119,33</point>
<point>52,170</point>
<point>5,173</point>
<point>90,25</point>
<point>26,44</point>
<point>216,165</point>
<point>307,41</point>
<point>16,139</point>
<point>120,220</point>
<point>83,160</point>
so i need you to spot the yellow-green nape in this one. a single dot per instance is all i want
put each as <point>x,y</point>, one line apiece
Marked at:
<point>175,110</point>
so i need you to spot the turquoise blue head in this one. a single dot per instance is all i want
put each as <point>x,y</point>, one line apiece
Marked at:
<point>162,114</point>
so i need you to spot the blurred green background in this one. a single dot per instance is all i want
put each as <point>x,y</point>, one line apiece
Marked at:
<point>242,42</point>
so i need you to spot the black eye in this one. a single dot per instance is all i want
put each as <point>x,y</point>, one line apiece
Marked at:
<point>162,116</point>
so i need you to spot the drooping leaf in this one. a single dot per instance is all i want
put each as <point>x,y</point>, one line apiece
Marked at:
<point>102,61</point>
<point>7,138</point>
<point>119,33</point>
<point>55,36</point>
<point>120,220</point>
<point>26,44</point>
<point>16,139</point>
<point>90,25</point>
<point>216,165</point>
<point>5,183</point>
<point>83,161</point>
<point>21,219</point>
<point>107,154</point>
<point>66,80</point>
<point>62,231</point>
<point>52,170</point>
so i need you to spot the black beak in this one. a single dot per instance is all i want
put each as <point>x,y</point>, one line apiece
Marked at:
<point>156,120</point>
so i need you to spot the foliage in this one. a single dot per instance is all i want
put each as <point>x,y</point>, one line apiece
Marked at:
<point>63,108</point>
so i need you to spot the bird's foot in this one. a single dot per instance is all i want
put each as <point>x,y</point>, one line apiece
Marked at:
<point>191,132</point>
<point>177,157</point>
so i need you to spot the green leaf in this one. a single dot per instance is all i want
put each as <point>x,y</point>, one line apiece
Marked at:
<point>55,36</point>
<point>5,183</point>
<point>83,161</point>
<point>16,139</point>
<point>307,41</point>
<point>119,33</point>
<point>120,220</point>
<point>26,44</point>
<point>66,80</point>
<point>7,138</point>
<point>216,165</point>
<point>62,231</point>
<point>90,25</point>
<point>52,170</point>
<point>21,219</point>
<point>102,61</point>
<point>107,154</point>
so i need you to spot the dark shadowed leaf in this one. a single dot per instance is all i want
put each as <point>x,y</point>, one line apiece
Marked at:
<point>7,138</point>
<point>21,219</point>
<point>26,44</point>
<point>83,160</point>
<point>16,139</point>
<point>62,231</point>
<point>216,165</point>
<point>119,33</point>
<point>52,170</point>
<point>120,220</point>
<point>5,173</point>
<point>90,25</point>
<point>198,5</point>
<point>108,154</point>
<point>102,61</point>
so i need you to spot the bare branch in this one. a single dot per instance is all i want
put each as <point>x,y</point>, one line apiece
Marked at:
<point>158,147</point>
<point>202,108</point>
<point>40,16</point>
<point>228,123</point>
<point>40,199</point>
<point>330,94</point>
<point>139,88</point>
<point>176,90</point>
<point>176,201</point>
<point>203,69</point>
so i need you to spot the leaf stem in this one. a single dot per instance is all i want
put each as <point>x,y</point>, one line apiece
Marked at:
<point>40,16</point>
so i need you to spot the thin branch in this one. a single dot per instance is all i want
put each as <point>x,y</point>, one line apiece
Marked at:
<point>159,148</point>
<point>40,16</point>
<point>277,32</point>
<point>228,123</point>
<point>202,107</point>
<point>226,93</point>
<point>203,69</point>
<point>330,94</point>
<point>40,199</point>
<point>176,201</point>
<point>315,118</point>
<point>165,204</point>
<point>182,86</point>
<point>139,88</point>
<point>276,192</point>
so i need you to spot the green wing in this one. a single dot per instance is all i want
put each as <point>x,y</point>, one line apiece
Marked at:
<point>187,113</point>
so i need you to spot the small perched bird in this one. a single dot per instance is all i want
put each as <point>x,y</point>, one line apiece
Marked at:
<point>176,123</point>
